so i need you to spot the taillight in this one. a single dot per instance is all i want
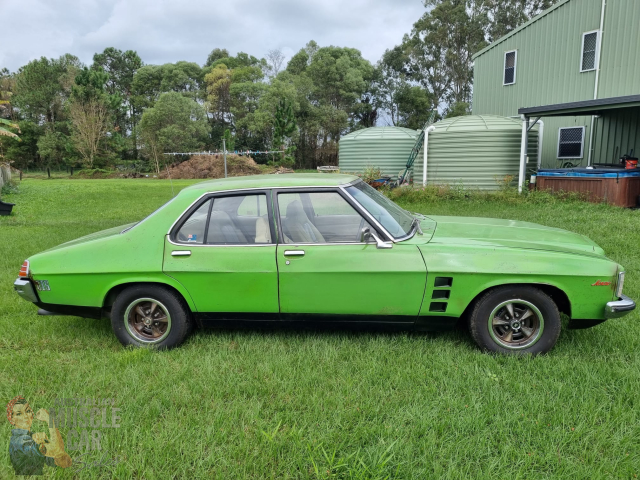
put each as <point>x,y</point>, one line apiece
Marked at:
<point>24,270</point>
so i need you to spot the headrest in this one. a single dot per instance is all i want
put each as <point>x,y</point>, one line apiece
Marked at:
<point>295,212</point>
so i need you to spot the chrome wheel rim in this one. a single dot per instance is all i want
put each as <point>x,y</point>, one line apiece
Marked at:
<point>147,320</point>
<point>516,324</point>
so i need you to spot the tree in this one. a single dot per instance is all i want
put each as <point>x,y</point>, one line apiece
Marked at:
<point>218,87</point>
<point>7,87</point>
<point>91,109</point>
<point>458,109</point>
<point>175,124</point>
<point>504,16</point>
<point>121,68</point>
<point>43,86</point>
<point>284,127</point>
<point>215,55</point>
<point>52,148</point>
<point>275,59</point>
<point>23,153</point>
<point>150,81</point>
<point>6,126</point>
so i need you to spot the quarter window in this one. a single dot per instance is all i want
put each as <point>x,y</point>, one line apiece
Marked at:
<point>192,231</point>
<point>232,220</point>
<point>571,142</point>
<point>589,59</point>
<point>319,217</point>
<point>510,61</point>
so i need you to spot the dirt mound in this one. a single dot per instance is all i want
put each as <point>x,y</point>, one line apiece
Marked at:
<point>212,166</point>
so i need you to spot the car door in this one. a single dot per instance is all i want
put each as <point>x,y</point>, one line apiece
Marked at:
<point>326,270</point>
<point>223,251</point>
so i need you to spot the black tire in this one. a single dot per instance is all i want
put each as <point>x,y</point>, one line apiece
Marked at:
<point>132,328</point>
<point>533,328</point>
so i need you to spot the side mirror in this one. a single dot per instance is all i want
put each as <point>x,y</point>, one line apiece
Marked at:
<point>366,234</point>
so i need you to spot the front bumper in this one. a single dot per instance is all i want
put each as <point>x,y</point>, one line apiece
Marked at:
<point>619,308</point>
<point>25,289</point>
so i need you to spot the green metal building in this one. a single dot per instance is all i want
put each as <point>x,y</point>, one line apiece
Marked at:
<point>576,68</point>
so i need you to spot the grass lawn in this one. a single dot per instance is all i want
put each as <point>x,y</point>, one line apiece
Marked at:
<point>294,404</point>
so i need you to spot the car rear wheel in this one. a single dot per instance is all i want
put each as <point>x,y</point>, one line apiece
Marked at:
<point>150,315</point>
<point>515,320</point>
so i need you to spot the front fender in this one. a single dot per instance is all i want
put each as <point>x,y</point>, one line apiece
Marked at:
<point>473,270</point>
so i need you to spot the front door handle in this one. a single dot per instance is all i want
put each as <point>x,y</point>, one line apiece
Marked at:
<point>294,253</point>
<point>181,253</point>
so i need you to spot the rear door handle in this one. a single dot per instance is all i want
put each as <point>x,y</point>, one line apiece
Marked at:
<point>294,253</point>
<point>181,253</point>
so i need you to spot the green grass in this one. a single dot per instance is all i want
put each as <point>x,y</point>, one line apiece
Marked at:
<point>298,404</point>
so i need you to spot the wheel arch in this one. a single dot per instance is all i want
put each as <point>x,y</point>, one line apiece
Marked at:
<point>558,296</point>
<point>115,290</point>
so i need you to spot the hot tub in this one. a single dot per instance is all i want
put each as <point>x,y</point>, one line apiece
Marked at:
<point>612,185</point>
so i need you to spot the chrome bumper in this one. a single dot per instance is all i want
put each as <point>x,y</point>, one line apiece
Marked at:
<point>619,308</point>
<point>24,288</point>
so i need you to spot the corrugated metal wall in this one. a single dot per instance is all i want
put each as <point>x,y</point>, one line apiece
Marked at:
<point>620,57</point>
<point>616,133</point>
<point>478,154</point>
<point>548,68</point>
<point>385,147</point>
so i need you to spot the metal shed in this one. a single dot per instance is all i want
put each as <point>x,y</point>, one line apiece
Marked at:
<point>475,151</point>
<point>385,147</point>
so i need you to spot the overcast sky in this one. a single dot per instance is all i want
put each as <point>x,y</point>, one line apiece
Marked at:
<point>167,31</point>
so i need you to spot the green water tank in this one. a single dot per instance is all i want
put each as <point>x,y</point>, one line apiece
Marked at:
<point>385,147</point>
<point>475,151</point>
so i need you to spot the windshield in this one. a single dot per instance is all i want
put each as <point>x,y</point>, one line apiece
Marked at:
<point>393,218</point>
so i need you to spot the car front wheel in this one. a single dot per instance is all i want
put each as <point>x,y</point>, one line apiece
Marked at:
<point>150,315</point>
<point>515,319</point>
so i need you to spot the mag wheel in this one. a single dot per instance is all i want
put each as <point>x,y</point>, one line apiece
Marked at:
<point>515,319</point>
<point>150,315</point>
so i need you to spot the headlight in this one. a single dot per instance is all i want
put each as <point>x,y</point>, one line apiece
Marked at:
<point>620,284</point>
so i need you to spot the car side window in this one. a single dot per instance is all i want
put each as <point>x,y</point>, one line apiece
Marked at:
<point>230,220</point>
<point>319,217</point>
<point>192,230</point>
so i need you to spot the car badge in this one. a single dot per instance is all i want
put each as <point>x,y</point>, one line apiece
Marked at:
<point>601,284</point>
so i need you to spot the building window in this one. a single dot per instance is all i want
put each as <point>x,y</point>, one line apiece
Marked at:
<point>571,142</point>
<point>589,58</point>
<point>510,60</point>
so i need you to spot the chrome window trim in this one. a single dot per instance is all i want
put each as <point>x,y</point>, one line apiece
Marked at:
<point>190,245</point>
<point>239,190</point>
<point>411,234</point>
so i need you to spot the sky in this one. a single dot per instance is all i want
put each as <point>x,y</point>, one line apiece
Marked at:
<point>167,31</point>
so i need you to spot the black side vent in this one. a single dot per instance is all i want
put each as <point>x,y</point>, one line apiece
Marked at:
<point>443,282</point>
<point>438,307</point>
<point>443,294</point>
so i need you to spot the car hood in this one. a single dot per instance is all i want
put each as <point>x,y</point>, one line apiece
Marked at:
<point>511,234</point>
<point>94,236</point>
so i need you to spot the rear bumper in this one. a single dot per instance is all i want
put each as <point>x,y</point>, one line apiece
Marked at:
<point>619,308</point>
<point>24,288</point>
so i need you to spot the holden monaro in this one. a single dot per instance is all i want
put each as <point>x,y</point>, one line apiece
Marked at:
<point>331,249</point>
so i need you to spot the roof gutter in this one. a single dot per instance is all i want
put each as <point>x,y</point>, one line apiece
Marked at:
<point>597,82</point>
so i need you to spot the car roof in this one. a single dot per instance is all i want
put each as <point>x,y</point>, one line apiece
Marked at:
<point>274,181</point>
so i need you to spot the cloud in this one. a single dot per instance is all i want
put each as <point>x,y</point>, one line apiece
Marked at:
<point>164,31</point>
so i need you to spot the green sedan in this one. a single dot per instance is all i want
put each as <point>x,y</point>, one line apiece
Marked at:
<point>327,249</point>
